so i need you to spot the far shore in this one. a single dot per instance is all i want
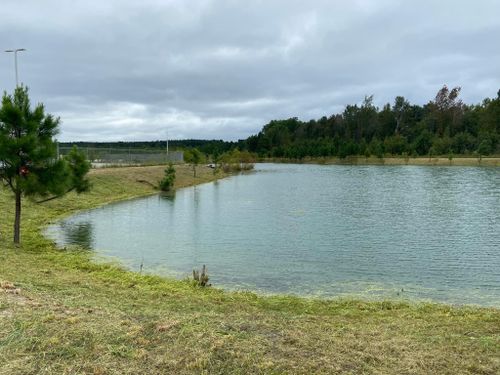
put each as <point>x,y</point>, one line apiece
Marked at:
<point>361,160</point>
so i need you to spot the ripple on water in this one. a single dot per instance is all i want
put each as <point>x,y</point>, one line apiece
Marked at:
<point>405,232</point>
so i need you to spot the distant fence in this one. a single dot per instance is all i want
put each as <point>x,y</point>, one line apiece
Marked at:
<point>111,156</point>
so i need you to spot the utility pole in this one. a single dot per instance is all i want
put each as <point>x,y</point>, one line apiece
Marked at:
<point>168,157</point>
<point>15,51</point>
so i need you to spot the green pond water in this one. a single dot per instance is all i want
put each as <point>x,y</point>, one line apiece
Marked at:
<point>404,232</point>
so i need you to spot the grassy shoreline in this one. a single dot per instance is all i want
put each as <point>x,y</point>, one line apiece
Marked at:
<point>60,312</point>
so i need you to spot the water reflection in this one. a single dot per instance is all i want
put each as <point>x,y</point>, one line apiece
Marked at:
<point>167,196</point>
<point>78,234</point>
<point>318,230</point>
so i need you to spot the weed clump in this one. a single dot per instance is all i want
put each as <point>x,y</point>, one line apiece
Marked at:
<point>201,278</point>
<point>237,167</point>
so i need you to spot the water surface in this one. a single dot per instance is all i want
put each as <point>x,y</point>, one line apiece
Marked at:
<point>408,232</point>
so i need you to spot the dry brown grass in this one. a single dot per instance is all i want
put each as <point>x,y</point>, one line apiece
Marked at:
<point>152,174</point>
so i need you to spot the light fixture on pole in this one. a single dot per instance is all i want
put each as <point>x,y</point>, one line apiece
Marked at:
<point>15,51</point>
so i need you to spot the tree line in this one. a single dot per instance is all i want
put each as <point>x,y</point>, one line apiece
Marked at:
<point>443,126</point>
<point>207,147</point>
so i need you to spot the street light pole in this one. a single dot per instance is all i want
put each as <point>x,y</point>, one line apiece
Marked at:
<point>15,51</point>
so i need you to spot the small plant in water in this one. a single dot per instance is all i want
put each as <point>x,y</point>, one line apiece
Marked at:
<point>201,278</point>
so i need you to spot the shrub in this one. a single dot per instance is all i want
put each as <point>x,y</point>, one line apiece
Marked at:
<point>485,147</point>
<point>167,182</point>
<point>396,144</point>
<point>237,161</point>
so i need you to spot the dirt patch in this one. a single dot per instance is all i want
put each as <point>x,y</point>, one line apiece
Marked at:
<point>13,295</point>
<point>167,326</point>
<point>9,287</point>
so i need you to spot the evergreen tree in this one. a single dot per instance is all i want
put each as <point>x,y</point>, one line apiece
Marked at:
<point>28,154</point>
<point>168,180</point>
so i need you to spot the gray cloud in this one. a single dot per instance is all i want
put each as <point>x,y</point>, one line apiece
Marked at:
<point>128,70</point>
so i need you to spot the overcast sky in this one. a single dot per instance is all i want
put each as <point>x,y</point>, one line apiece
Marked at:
<point>139,70</point>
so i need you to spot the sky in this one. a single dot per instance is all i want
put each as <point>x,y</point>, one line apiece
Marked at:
<point>120,70</point>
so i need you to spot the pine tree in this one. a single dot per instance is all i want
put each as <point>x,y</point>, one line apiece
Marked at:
<point>28,154</point>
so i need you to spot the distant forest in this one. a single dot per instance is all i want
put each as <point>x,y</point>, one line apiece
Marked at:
<point>444,126</point>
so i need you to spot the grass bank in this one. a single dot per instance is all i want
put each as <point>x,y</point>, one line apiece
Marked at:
<point>372,160</point>
<point>61,313</point>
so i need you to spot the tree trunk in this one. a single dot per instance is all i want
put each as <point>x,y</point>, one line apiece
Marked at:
<point>17,221</point>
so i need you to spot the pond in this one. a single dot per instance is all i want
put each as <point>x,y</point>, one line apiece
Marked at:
<point>409,232</point>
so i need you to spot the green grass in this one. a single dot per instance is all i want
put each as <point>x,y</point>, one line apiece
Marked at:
<point>62,313</point>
